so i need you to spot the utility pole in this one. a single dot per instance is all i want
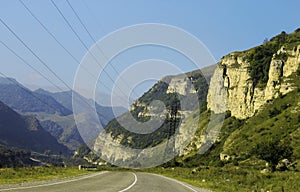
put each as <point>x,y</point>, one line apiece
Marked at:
<point>170,145</point>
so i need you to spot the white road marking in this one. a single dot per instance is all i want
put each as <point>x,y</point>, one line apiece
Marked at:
<point>132,184</point>
<point>57,183</point>
<point>183,184</point>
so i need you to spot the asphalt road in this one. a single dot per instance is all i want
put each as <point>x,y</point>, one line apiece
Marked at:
<point>111,182</point>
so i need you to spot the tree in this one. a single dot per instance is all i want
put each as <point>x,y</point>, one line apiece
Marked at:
<point>273,151</point>
<point>266,40</point>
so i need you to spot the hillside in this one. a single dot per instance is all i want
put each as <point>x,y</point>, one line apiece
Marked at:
<point>255,76</point>
<point>25,132</point>
<point>53,116</point>
<point>13,157</point>
<point>261,107</point>
<point>189,91</point>
<point>24,100</point>
<point>53,110</point>
<point>65,99</point>
<point>181,94</point>
<point>259,91</point>
<point>64,127</point>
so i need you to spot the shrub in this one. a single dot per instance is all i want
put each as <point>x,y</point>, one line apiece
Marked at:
<point>273,151</point>
<point>274,112</point>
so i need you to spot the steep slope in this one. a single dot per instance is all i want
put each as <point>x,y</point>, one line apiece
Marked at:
<point>65,99</point>
<point>148,125</point>
<point>165,91</point>
<point>253,77</point>
<point>13,157</point>
<point>64,127</point>
<point>53,110</point>
<point>23,100</point>
<point>278,120</point>
<point>53,116</point>
<point>262,87</point>
<point>25,132</point>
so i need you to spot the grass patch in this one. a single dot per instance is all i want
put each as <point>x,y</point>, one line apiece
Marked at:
<point>230,178</point>
<point>21,175</point>
<point>279,120</point>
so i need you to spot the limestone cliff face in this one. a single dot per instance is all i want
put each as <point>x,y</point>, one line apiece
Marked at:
<point>181,85</point>
<point>232,80</point>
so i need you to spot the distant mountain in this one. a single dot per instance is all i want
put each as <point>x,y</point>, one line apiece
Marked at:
<point>64,127</point>
<point>65,99</point>
<point>24,100</point>
<point>209,71</point>
<point>25,132</point>
<point>53,110</point>
<point>9,81</point>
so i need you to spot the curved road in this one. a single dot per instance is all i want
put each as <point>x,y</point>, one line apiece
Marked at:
<point>112,182</point>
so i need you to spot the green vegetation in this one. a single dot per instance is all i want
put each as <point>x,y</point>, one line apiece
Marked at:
<point>260,57</point>
<point>201,85</point>
<point>273,151</point>
<point>13,157</point>
<point>278,121</point>
<point>159,92</point>
<point>232,178</point>
<point>226,179</point>
<point>211,157</point>
<point>270,136</point>
<point>140,141</point>
<point>21,175</point>
<point>25,132</point>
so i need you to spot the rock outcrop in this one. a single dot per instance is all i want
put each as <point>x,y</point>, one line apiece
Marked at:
<point>242,97</point>
<point>181,85</point>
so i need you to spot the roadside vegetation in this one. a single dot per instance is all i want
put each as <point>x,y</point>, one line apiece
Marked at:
<point>254,147</point>
<point>232,178</point>
<point>29,174</point>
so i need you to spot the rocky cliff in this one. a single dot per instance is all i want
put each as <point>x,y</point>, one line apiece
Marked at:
<point>128,141</point>
<point>239,90</point>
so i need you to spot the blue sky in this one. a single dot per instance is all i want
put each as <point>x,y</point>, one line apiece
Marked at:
<point>223,26</point>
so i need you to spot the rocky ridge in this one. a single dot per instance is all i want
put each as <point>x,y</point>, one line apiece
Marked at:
<point>232,80</point>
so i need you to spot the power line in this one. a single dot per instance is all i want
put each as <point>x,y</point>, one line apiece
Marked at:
<point>53,36</point>
<point>33,53</point>
<point>43,62</point>
<point>85,46</point>
<point>29,92</point>
<point>29,65</point>
<point>33,95</point>
<point>56,40</point>
<point>52,107</point>
<point>98,23</point>
<point>170,144</point>
<point>48,31</point>
<point>102,52</point>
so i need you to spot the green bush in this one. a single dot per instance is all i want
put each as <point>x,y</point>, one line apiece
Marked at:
<point>260,57</point>
<point>273,151</point>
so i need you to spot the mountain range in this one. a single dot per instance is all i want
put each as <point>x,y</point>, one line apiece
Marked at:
<point>25,132</point>
<point>24,100</point>
<point>242,107</point>
<point>53,110</point>
<point>254,92</point>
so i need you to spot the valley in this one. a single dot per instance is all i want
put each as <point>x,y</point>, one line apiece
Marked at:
<point>234,125</point>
